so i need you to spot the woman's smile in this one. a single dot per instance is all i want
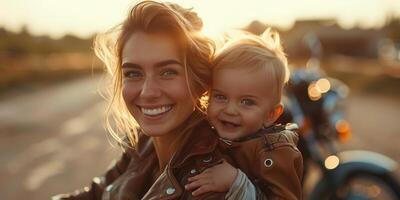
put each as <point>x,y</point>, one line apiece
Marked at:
<point>155,111</point>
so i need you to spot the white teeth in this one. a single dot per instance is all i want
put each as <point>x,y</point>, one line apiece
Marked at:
<point>155,111</point>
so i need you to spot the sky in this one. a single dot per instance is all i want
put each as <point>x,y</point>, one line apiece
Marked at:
<point>86,17</point>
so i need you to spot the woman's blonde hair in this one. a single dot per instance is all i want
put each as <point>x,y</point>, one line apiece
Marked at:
<point>246,50</point>
<point>196,50</point>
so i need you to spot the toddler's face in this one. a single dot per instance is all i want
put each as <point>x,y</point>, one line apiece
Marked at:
<point>240,101</point>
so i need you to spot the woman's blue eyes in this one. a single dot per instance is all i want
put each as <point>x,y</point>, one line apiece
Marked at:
<point>169,73</point>
<point>132,74</point>
<point>138,74</point>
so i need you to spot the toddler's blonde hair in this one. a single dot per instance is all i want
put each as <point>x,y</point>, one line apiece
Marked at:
<point>242,49</point>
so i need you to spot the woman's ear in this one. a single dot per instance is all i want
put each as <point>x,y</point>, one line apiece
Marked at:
<point>273,114</point>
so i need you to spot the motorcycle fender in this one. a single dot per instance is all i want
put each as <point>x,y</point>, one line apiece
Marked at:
<point>353,162</point>
<point>358,160</point>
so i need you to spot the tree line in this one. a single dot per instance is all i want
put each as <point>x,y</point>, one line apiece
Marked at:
<point>15,44</point>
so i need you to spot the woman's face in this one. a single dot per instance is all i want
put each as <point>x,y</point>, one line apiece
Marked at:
<point>154,84</point>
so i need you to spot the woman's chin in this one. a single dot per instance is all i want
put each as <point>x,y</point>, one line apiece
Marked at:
<point>157,130</point>
<point>153,132</point>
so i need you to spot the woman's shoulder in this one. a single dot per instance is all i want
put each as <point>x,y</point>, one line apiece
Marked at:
<point>200,141</point>
<point>141,149</point>
<point>140,159</point>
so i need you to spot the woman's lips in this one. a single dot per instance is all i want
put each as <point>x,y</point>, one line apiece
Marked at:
<point>155,111</point>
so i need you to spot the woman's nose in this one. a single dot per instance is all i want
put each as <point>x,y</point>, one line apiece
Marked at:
<point>150,89</point>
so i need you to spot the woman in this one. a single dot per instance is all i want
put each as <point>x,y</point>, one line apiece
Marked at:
<point>160,69</point>
<point>160,65</point>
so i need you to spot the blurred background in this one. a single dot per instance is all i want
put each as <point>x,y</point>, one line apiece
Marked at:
<point>52,138</point>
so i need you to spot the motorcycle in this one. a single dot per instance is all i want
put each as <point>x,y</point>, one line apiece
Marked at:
<point>315,103</point>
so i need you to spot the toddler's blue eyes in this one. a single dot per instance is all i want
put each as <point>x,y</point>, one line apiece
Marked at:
<point>247,102</point>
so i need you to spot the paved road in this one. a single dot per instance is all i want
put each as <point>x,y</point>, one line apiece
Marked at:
<point>53,141</point>
<point>375,123</point>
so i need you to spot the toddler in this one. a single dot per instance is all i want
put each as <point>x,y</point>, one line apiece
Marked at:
<point>249,73</point>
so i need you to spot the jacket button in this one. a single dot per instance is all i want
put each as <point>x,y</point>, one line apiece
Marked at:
<point>109,188</point>
<point>207,160</point>
<point>97,180</point>
<point>268,162</point>
<point>193,171</point>
<point>170,190</point>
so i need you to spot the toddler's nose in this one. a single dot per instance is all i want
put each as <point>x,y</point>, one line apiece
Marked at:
<point>231,109</point>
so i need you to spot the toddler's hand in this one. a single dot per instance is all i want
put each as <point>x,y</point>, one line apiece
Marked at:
<point>215,179</point>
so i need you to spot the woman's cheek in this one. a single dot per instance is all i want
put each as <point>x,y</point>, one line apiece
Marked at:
<point>129,93</point>
<point>179,88</point>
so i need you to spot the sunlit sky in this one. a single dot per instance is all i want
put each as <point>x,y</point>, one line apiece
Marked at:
<point>85,17</point>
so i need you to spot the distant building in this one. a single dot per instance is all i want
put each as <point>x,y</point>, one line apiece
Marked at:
<point>334,39</point>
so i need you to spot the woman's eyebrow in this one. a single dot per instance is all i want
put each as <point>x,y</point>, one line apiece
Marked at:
<point>157,65</point>
<point>130,65</point>
<point>167,62</point>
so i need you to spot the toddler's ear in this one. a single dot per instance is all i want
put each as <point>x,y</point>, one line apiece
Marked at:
<point>274,114</point>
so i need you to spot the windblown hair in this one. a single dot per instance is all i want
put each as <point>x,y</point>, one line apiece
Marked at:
<point>246,50</point>
<point>181,24</point>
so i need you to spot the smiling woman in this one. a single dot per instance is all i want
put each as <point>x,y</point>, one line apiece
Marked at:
<point>160,65</point>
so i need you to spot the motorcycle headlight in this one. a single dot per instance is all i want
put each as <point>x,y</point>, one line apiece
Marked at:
<point>313,92</point>
<point>331,162</point>
<point>317,88</point>
<point>323,85</point>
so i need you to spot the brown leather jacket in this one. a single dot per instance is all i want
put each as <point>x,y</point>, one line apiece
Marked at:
<point>271,160</point>
<point>136,175</point>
